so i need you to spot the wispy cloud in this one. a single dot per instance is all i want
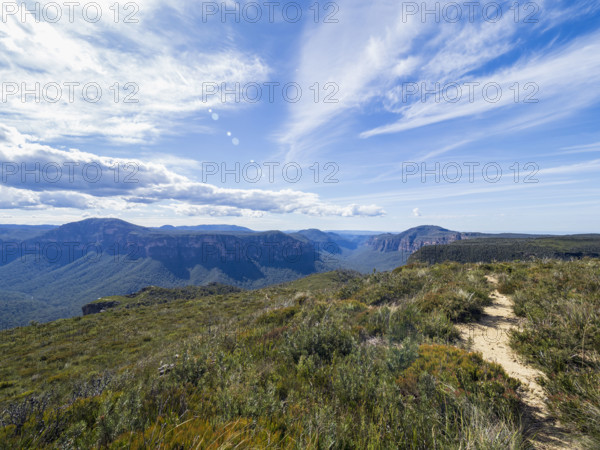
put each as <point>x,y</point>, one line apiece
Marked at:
<point>373,51</point>
<point>556,90</point>
<point>149,73</point>
<point>587,148</point>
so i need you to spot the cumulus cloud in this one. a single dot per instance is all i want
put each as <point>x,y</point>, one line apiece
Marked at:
<point>35,175</point>
<point>12,198</point>
<point>416,212</point>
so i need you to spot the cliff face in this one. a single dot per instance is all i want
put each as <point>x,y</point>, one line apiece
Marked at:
<point>232,253</point>
<point>412,240</point>
<point>267,249</point>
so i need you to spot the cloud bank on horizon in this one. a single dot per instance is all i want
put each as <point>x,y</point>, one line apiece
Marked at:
<point>477,115</point>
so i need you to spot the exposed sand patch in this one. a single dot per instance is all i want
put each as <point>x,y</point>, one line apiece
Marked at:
<point>490,337</point>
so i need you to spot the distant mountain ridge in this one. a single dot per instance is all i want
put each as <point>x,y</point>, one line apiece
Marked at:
<point>53,271</point>
<point>205,228</point>
<point>415,238</point>
<point>52,275</point>
<point>493,249</point>
<point>20,232</point>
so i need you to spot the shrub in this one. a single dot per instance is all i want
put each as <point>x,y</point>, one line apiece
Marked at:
<point>323,340</point>
<point>467,374</point>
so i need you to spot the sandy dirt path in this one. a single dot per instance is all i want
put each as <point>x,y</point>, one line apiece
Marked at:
<point>490,337</point>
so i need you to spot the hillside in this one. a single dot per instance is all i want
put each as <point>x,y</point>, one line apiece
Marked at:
<point>387,251</point>
<point>507,249</point>
<point>332,360</point>
<point>52,275</point>
<point>54,271</point>
<point>10,233</point>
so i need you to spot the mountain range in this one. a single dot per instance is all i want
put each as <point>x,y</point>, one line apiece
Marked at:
<point>47,272</point>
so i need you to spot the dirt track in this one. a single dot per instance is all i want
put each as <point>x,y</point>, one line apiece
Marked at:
<point>490,337</point>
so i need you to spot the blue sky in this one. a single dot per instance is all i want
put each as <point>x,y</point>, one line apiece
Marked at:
<point>477,118</point>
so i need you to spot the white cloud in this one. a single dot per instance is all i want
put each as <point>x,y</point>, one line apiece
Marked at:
<point>215,211</point>
<point>560,91</point>
<point>592,166</point>
<point>371,52</point>
<point>164,63</point>
<point>33,175</point>
<point>587,148</point>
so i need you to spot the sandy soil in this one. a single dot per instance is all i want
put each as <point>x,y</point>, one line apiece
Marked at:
<point>490,337</point>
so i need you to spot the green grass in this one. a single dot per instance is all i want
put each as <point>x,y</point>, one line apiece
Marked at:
<point>559,303</point>
<point>334,360</point>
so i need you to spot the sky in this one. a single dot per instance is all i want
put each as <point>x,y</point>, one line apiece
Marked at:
<point>353,115</point>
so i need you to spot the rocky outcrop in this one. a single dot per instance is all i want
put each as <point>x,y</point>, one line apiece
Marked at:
<point>414,239</point>
<point>97,307</point>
